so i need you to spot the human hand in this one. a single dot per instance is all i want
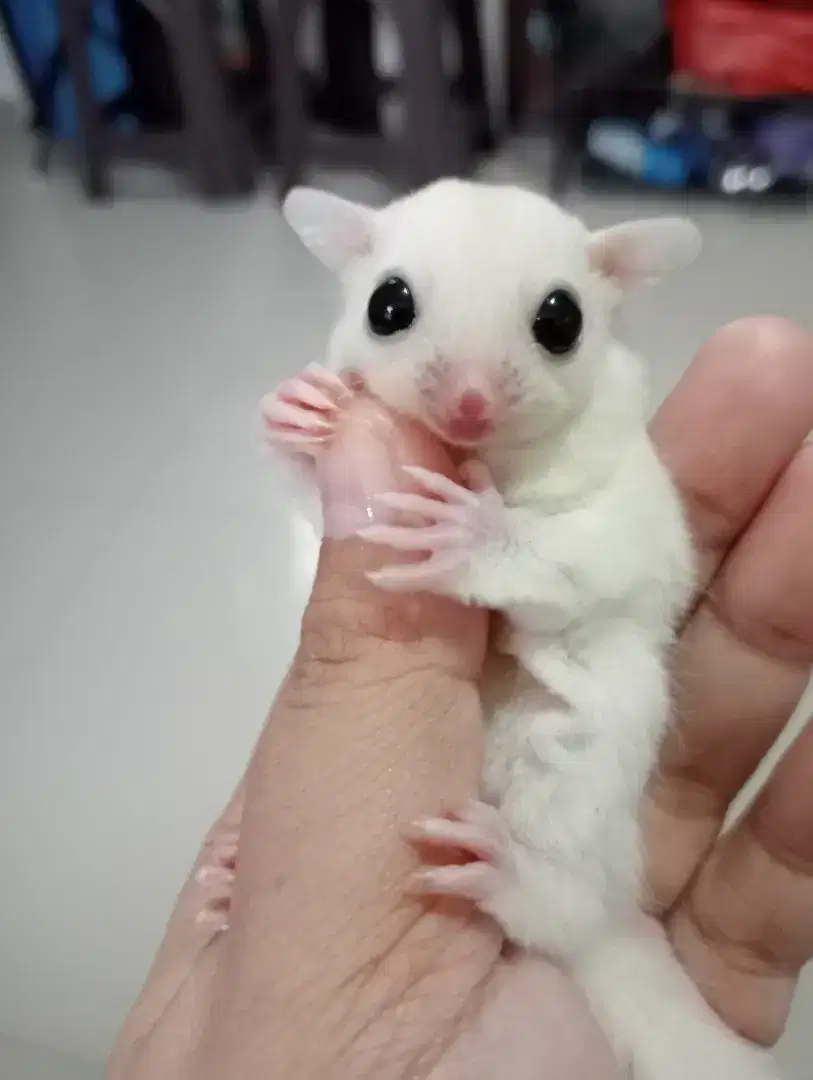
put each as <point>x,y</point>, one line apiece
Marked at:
<point>739,907</point>
<point>328,968</point>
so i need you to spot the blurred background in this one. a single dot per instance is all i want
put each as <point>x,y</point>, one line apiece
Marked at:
<point>150,573</point>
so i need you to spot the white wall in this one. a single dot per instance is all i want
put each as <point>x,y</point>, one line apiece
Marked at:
<point>21,1060</point>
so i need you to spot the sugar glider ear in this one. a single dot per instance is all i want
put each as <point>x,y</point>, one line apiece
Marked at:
<point>335,230</point>
<point>642,252</point>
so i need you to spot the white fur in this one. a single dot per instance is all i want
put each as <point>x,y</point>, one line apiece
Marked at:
<point>592,573</point>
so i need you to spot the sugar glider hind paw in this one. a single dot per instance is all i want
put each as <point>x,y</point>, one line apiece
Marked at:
<point>300,417</point>
<point>215,876</point>
<point>477,832</point>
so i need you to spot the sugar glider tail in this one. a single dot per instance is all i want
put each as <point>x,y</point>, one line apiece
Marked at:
<point>660,1025</point>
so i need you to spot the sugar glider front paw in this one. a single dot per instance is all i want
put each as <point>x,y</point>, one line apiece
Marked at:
<point>449,522</point>
<point>215,875</point>
<point>301,416</point>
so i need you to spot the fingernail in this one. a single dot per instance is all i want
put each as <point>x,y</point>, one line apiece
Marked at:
<point>361,464</point>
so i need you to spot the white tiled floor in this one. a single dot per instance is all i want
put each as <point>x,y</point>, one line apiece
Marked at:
<point>149,607</point>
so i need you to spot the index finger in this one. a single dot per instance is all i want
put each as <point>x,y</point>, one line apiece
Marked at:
<point>733,430</point>
<point>378,723</point>
<point>732,426</point>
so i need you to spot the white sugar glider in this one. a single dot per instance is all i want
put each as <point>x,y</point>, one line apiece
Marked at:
<point>485,312</point>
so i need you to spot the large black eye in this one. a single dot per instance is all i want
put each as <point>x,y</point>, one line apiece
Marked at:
<point>558,323</point>
<point>391,308</point>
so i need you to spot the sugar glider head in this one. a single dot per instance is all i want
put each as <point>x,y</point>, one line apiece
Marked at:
<point>472,306</point>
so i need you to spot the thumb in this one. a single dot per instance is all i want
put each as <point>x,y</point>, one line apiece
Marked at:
<point>377,724</point>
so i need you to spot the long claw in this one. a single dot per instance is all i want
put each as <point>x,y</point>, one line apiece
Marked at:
<point>434,538</point>
<point>417,576</point>
<point>319,375</point>
<point>441,832</point>
<point>295,439</point>
<point>277,411</point>
<point>442,486</point>
<point>475,881</point>
<point>433,509</point>
<point>298,390</point>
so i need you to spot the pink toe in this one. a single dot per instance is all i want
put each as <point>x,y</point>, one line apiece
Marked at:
<point>403,538</point>
<point>417,576</point>
<point>298,392</point>
<point>475,881</point>
<point>481,843</point>
<point>214,875</point>
<point>441,486</point>
<point>295,416</point>
<point>293,439</point>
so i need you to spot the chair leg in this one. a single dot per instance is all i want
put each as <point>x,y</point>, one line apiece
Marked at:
<point>290,111</point>
<point>518,60</point>
<point>219,147</point>
<point>567,135</point>
<point>75,17</point>
<point>431,147</point>
<point>473,80</point>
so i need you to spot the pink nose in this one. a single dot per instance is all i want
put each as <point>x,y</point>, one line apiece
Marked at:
<point>472,405</point>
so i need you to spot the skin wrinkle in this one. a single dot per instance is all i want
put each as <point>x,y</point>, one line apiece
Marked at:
<point>684,756</point>
<point>406,994</point>
<point>370,968</point>
<point>417,982</point>
<point>316,686</point>
<point>739,948</point>
<point>465,1017</point>
<point>736,626</point>
<point>750,598</point>
<point>699,756</point>
<point>410,690</point>
<point>715,972</point>
<point>337,637</point>
<point>780,853</point>
<point>751,958</point>
<point>698,777</point>
<point>687,797</point>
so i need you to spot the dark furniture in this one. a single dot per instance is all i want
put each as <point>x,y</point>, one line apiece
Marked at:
<point>440,129</point>
<point>211,146</point>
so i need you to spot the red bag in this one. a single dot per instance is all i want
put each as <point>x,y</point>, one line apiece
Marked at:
<point>752,48</point>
